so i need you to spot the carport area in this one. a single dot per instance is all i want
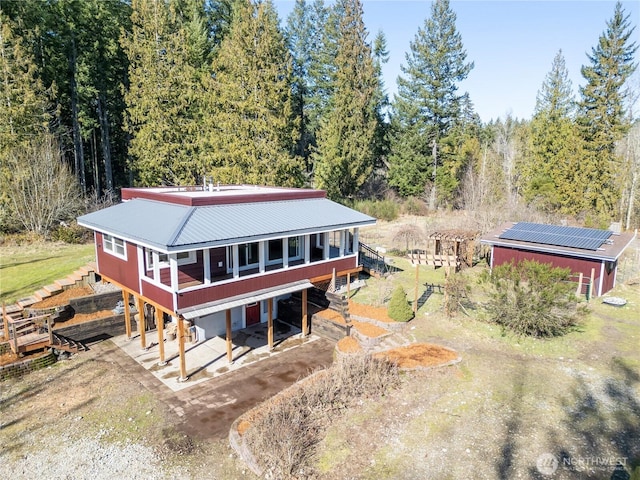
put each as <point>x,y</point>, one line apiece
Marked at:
<point>208,359</point>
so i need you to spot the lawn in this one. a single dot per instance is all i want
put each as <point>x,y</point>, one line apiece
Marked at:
<point>25,269</point>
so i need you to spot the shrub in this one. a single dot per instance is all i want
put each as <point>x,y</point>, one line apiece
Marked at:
<point>531,298</point>
<point>381,209</point>
<point>283,435</point>
<point>399,309</point>
<point>457,289</point>
<point>72,233</point>
<point>415,206</point>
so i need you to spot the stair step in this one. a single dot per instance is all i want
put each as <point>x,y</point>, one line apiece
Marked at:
<point>52,289</point>
<point>65,282</point>
<point>42,294</point>
<point>27,302</point>
<point>13,308</point>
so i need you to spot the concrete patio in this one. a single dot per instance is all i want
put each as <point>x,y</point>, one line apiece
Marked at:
<point>207,359</point>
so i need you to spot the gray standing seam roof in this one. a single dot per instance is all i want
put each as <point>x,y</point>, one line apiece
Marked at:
<point>172,227</point>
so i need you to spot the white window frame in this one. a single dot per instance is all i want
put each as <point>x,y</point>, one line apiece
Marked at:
<point>248,266</point>
<point>299,247</point>
<point>114,246</point>
<point>163,258</point>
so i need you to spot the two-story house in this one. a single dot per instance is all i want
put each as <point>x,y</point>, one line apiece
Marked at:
<point>219,257</point>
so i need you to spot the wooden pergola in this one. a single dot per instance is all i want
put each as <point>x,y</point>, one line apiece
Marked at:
<point>447,248</point>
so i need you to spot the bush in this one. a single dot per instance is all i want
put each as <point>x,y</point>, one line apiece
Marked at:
<point>74,234</point>
<point>381,209</point>
<point>283,435</point>
<point>415,206</point>
<point>531,298</point>
<point>457,289</point>
<point>399,309</point>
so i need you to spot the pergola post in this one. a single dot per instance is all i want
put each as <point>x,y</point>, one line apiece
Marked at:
<point>5,322</point>
<point>304,313</point>
<point>141,323</point>
<point>229,344</point>
<point>160,327</point>
<point>127,314</point>
<point>415,293</point>
<point>183,365</point>
<point>270,323</point>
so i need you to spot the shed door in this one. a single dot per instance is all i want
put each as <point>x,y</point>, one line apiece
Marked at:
<point>252,311</point>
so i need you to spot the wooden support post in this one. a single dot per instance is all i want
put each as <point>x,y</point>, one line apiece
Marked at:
<point>229,344</point>
<point>447,272</point>
<point>127,314</point>
<point>348,286</point>
<point>305,329</point>
<point>579,289</point>
<point>141,323</point>
<point>183,364</point>
<point>160,327</point>
<point>50,329</point>
<point>270,322</point>
<point>415,293</point>
<point>593,279</point>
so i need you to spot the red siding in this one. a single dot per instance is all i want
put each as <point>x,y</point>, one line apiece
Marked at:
<point>157,294</point>
<point>577,265</point>
<point>245,286</point>
<point>122,271</point>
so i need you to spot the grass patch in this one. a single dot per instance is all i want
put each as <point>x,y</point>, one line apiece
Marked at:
<point>25,269</point>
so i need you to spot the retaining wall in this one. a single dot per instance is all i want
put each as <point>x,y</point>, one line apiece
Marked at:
<point>97,302</point>
<point>97,329</point>
<point>18,369</point>
<point>328,328</point>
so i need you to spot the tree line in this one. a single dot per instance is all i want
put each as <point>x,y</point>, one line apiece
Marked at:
<point>104,94</point>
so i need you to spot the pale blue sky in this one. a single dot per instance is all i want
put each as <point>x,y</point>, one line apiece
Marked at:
<point>511,42</point>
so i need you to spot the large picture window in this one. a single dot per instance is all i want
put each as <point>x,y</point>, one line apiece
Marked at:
<point>114,246</point>
<point>295,248</point>
<point>248,256</point>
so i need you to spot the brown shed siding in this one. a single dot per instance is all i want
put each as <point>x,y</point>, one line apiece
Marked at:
<point>245,286</point>
<point>577,265</point>
<point>124,271</point>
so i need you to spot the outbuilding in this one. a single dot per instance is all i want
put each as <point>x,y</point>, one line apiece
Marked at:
<point>590,253</point>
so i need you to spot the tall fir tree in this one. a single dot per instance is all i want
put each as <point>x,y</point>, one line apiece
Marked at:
<point>427,104</point>
<point>550,171</point>
<point>164,98</point>
<point>345,156</point>
<point>24,115</point>
<point>602,111</point>
<point>252,129</point>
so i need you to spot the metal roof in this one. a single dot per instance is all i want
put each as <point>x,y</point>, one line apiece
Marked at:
<point>172,227</point>
<point>573,237</point>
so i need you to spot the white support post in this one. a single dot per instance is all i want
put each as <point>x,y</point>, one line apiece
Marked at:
<point>262,255</point>
<point>307,248</point>
<point>173,270</point>
<point>236,261</point>
<point>285,252</point>
<point>206,260</point>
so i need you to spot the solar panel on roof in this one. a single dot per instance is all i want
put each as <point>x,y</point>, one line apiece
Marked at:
<point>572,237</point>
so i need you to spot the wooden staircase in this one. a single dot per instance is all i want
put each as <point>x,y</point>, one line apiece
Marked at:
<point>28,334</point>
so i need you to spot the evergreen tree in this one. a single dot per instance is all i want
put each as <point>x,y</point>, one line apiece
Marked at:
<point>306,36</point>
<point>602,117</point>
<point>23,111</point>
<point>346,149</point>
<point>427,104</point>
<point>549,174</point>
<point>164,98</point>
<point>252,128</point>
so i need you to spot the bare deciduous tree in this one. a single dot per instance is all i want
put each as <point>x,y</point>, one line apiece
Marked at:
<point>42,188</point>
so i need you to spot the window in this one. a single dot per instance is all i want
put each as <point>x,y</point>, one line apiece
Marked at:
<point>248,256</point>
<point>275,250</point>
<point>295,248</point>
<point>114,246</point>
<point>184,258</point>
